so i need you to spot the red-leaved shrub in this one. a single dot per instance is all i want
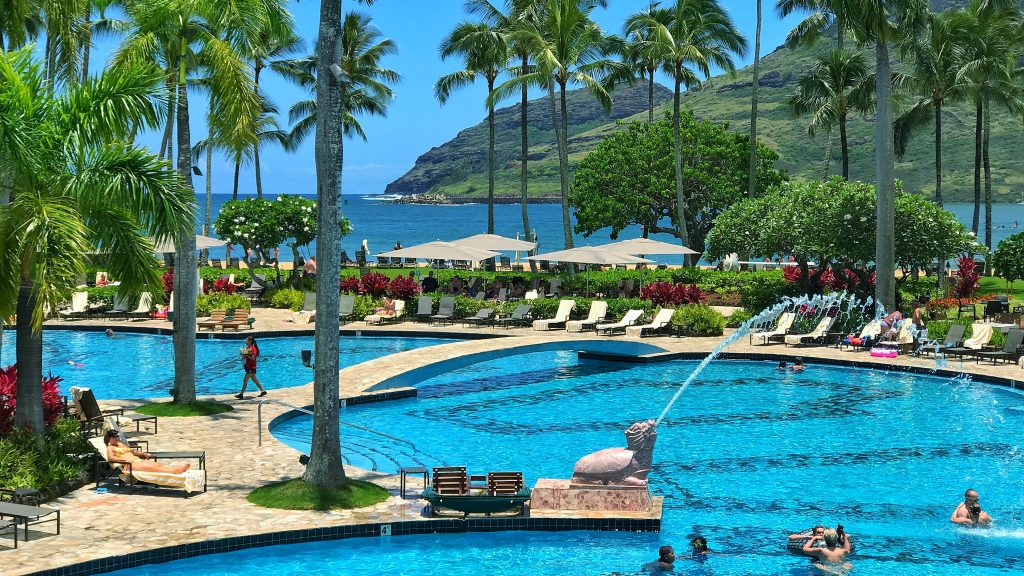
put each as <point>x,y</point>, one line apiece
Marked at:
<point>168,280</point>
<point>403,288</point>
<point>223,286</point>
<point>349,285</point>
<point>967,277</point>
<point>374,284</point>
<point>52,405</point>
<point>667,294</point>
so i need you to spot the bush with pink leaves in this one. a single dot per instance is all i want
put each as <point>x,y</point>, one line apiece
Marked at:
<point>52,405</point>
<point>667,294</point>
<point>349,285</point>
<point>967,276</point>
<point>374,284</point>
<point>403,288</point>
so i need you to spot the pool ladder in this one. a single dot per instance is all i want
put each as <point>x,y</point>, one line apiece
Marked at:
<point>414,451</point>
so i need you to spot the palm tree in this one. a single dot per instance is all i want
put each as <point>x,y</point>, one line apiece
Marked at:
<point>936,57</point>
<point>78,186</point>
<point>882,22</point>
<point>838,84</point>
<point>180,34</point>
<point>700,35</point>
<point>641,29</point>
<point>485,53</point>
<point>752,170</point>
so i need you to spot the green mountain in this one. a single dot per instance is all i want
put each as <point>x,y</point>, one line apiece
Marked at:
<point>459,167</point>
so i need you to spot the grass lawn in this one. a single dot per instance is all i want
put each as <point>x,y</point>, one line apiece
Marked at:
<point>297,495</point>
<point>170,409</point>
<point>994,285</point>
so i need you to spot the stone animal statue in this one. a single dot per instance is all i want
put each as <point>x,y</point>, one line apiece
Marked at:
<point>627,466</point>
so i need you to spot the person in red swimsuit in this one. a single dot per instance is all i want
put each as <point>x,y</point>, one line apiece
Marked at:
<point>250,354</point>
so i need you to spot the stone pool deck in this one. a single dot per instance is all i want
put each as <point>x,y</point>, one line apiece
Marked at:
<point>120,521</point>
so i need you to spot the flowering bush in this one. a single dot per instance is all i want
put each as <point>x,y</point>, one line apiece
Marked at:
<point>374,284</point>
<point>666,294</point>
<point>945,303</point>
<point>349,285</point>
<point>221,286</point>
<point>168,279</point>
<point>403,288</point>
<point>967,277</point>
<point>52,405</point>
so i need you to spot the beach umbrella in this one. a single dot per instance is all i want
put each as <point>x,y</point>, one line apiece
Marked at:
<point>590,255</point>
<point>494,242</point>
<point>439,250</point>
<point>202,243</point>
<point>647,246</point>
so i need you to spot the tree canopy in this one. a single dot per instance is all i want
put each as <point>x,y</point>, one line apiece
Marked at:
<point>1008,259</point>
<point>629,178</point>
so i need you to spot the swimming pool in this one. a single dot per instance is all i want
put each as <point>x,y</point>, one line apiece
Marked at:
<point>748,454</point>
<point>142,365</point>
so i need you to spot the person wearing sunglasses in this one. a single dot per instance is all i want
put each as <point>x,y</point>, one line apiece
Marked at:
<point>969,512</point>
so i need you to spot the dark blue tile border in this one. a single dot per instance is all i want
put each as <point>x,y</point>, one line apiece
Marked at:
<point>438,526</point>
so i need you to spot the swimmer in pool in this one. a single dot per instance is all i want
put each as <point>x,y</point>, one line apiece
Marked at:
<point>664,563</point>
<point>818,533</point>
<point>831,557</point>
<point>798,365</point>
<point>782,365</point>
<point>969,512</point>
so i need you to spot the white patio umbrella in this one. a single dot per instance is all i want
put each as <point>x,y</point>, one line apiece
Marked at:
<point>439,250</point>
<point>647,246</point>
<point>494,242</point>
<point>202,243</point>
<point>590,255</point>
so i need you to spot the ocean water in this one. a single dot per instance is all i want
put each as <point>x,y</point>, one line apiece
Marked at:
<point>749,455</point>
<point>383,224</point>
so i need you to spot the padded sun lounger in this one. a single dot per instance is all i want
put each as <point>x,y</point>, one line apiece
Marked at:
<point>79,306</point>
<point>868,334</point>
<point>786,320</point>
<point>817,334</point>
<point>628,319</point>
<point>520,317</point>
<point>954,336</point>
<point>981,335</point>
<point>192,480</point>
<point>389,318</point>
<point>308,312</point>
<point>662,321</point>
<point>1010,351</point>
<point>565,308</point>
<point>598,310</point>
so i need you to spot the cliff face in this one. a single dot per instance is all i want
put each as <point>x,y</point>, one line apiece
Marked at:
<point>459,167</point>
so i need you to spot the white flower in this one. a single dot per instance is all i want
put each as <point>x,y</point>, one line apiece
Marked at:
<point>847,217</point>
<point>863,218</point>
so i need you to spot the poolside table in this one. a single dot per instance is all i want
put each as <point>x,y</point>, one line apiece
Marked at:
<point>138,419</point>
<point>404,473</point>
<point>26,515</point>
<point>5,524</point>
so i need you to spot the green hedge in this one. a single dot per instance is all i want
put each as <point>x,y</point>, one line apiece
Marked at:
<point>698,320</point>
<point>205,303</point>
<point>284,298</point>
<point>48,466</point>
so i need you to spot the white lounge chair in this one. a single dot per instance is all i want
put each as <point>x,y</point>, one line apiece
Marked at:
<point>785,322</point>
<point>192,480</point>
<point>561,316</point>
<point>817,334</point>
<point>387,318</point>
<point>142,310</point>
<point>79,306</point>
<point>662,320</point>
<point>868,333</point>
<point>981,335</point>
<point>308,312</point>
<point>598,309</point>
<point>628,319</point>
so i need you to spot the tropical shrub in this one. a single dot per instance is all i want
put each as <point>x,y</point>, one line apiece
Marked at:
<point>285,298</point>
<point>49,465</point>
<point>101,295</point>
<point>52,405</point>
<point>374,284</point>
<point>1008,259</point>
<point>737,318</point>
<point>221,286</point>
<point>665,294</point>
<point>967,276</point>
<point>698,320</point>
<point>349,285</point>
<point>403,288</point>
<point>167,278</point>
<point>206,303</point>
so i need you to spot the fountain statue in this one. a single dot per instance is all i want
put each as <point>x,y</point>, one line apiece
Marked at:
<point>620,466</point>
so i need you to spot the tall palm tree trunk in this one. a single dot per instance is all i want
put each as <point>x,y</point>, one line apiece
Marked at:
<point>752,168</point>
<point>978,125</point>
<point>325,467</point>
<point>844,146</point>
<point>490,157</point>
<point>524,152</point>
<point>677,152</point>
<point>650,96</point>
<point>938,152</point>
<point>562,135</point>
<point>256,166</point>
<point>29,351</point>
<point>826,165</point>
<point>234,189</point>
<point>885,266</point>
<point>166,142</point>
<point>208,205</point>
<point>185,274</point>
<point>988,176</point>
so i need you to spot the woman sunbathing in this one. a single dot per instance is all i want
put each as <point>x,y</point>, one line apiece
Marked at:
<point>387,310</point>
<point>118,452</point>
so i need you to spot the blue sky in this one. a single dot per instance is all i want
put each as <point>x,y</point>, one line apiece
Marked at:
<point>416,121</point>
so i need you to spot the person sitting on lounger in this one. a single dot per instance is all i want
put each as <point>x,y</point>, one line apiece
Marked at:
<point>387,310</point>
<point>118,452</point>
<point>889,325</point>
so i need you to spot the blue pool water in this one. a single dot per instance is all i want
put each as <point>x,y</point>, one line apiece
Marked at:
<point>142,365</point>
<point>746,455</point>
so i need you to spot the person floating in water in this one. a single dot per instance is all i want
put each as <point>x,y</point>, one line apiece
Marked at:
<point>817,533</point>
<point>782,365</point>
<point>798,365</point>
<point>699,547</point>
<point>664,563</point>
<point>831,557</point>
<point>109,333</point>
<point>969,512</point>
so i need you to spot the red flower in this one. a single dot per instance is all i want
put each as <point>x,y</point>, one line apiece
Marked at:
<point>349,285</point>
<point>52,405</point>
<point>403,288</point>
<point>374,284</point>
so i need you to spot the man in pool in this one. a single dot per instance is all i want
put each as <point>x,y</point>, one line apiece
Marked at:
<point>969,512</point>
<point>664,563</point>
<point>831,557</point>
<point>818,533</point>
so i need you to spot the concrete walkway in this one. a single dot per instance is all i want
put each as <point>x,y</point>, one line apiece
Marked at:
<point>101,525</point>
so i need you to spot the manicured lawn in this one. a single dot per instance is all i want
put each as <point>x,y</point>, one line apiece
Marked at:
<point>297,495</point>
<point>170,410</point>
<point>992,285</point>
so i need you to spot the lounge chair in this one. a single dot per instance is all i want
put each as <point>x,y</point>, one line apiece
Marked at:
<point>424,308</point>
<point>254,291</point>
<point>953,339</point>
<point>192,480</point>
<point>450,480</point>
<point>451,490</point>
<point>236,319</point>
<point>217,317</point>
<point>120,308</point>
<point>630,318</point>
<point>502,295</point>
<point>445,311</point>
<point>906,336</point>
<point>818,334</point>
<point>91,416</point>
<point>598,310</point>
<point>144,308</point>
<point>216,263</point>
<point>981,335</point>
<point>531,295</point>
<point>868,334</point>
<point>786,320</point>
<point>23,514</point>
<point>345,260</point>
<point>346,307</point>
<point>565,308</point>
<point>308,312</point>
<point>397,316</point>
<point>1011,349</point>
<point>520,317</point>
<point>383,262</point>
<point>505,263</point>
<point>482,317</point>
<point>555,288</point>
<point>79,306</point>
<point>661,323</point>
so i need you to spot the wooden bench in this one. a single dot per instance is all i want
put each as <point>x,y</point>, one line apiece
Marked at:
<point>239,319</point>
<point>217,318</point>
<point>450,480</point>
<point>499,483</point>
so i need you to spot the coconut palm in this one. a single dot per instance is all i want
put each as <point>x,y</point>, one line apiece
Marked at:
<point>78,186</point>
<point>640,29</point>
<point>840,83</point>
<point>485,54</point>
<point>883,22</point>
<point>822,16</point>
<point>700,35</point>
<point>752,167</point>
<point>184,36</point>
<point>936,57</point>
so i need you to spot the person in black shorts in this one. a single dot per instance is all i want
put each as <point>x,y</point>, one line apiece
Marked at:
<point>250,354</point>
